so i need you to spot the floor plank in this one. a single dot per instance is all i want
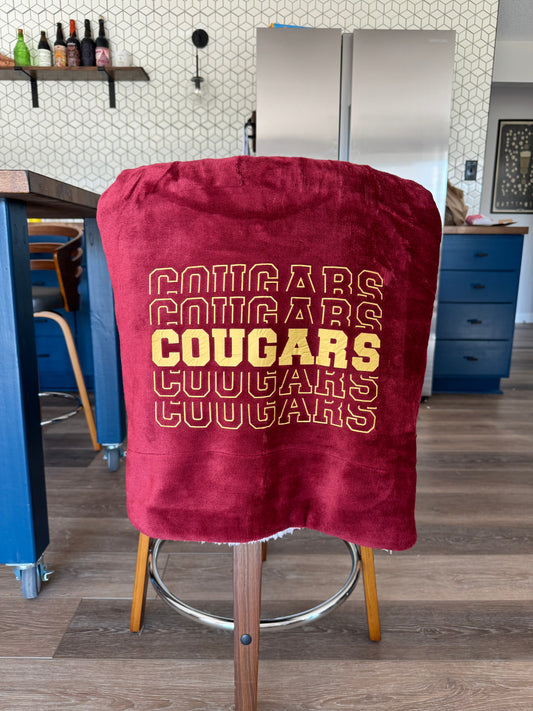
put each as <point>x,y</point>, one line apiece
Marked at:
<point>80,575</point>
<point>283,686</point>
<point>33,628</point>
<point>431,631</point>
<point>401,576</point>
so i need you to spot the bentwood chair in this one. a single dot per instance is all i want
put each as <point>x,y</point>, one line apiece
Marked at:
<point>273,316</point>
<point>57,248</point>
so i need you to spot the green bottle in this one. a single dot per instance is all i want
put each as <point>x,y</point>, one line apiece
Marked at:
<point>21,53</point>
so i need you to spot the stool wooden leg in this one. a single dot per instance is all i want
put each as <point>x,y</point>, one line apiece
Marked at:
<point>264,551</point>
<point>140,584</point>
<point>247,564</point>
<point>371,594</point>
<point>80,382</point>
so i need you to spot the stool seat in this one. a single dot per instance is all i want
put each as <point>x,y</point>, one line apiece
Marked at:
<point>46,298</point>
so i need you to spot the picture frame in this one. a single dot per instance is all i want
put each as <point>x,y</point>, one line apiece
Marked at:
<point>512,187</point>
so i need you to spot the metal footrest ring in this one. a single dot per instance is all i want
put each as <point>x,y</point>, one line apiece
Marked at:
<point>65,415</point>
<point>226,623</point>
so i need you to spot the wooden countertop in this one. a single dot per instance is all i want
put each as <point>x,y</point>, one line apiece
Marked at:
<point>485,230</point>
<point>46,197</point>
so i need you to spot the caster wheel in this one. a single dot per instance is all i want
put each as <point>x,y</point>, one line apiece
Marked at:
<point>113,459</point>
<point>30,580</point>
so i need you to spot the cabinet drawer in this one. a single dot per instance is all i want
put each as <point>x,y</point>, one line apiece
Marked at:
<point>52,354</point>
<point>472,286</point>
<point>472,358</point>
<point>475,321</point>
<point>481,252</point>
<point>55,369</point>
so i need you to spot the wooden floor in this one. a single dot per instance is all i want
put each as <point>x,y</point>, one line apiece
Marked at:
<point>456,610</point>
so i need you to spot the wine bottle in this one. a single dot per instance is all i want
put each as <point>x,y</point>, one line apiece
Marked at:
<point>21,52</point>
<point>60,48</point>
<point>87,47</point>
<point>44,53</point>
<point>73,47</point>
<point>103,55</point>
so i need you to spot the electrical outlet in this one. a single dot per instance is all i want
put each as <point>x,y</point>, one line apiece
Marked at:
<point>470,169</point>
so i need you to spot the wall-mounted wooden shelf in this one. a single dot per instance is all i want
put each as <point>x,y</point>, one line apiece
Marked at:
<point>109,74</point>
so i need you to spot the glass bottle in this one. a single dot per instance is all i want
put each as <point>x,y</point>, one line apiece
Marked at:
<point>44,53</point>
<point>21,52</point>
<point>87,47</point>
<point>103,55</point>
<point>60,48</point>
<point>73,47</point>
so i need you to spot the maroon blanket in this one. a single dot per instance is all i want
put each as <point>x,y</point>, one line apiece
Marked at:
<point>273,317</point>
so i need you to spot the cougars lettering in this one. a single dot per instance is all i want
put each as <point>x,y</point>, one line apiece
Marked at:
<point>236,345</point>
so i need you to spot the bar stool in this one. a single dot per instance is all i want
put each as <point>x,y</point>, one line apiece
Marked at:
<point>274,316</point>
<point>63,257</point>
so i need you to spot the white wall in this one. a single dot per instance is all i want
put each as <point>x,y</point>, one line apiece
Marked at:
<point>75,136</point>
<point>511,101</point>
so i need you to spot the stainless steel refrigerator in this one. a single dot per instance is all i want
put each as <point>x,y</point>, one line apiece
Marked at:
<point>375,97</point>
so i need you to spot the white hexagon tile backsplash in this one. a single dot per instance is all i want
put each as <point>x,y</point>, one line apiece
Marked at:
<point>75,136</point>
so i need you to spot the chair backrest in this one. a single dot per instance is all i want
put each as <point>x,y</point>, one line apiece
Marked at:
<point>63,257</point>
<point>273,316</point>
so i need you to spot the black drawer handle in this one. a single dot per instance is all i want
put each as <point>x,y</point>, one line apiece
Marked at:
<point>482,254</point>
<point>478,286</point>
<point>470,358</point>
<point>474,321</point>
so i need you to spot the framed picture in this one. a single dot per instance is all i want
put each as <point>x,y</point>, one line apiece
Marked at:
<point>512,189</point>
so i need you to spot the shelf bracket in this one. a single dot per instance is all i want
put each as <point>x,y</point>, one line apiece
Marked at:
<point>111,85</point>
<point>34,94</point>
<point>33,82</point>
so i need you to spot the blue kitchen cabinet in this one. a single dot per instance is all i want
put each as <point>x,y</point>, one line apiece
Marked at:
<point>480,270</point>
